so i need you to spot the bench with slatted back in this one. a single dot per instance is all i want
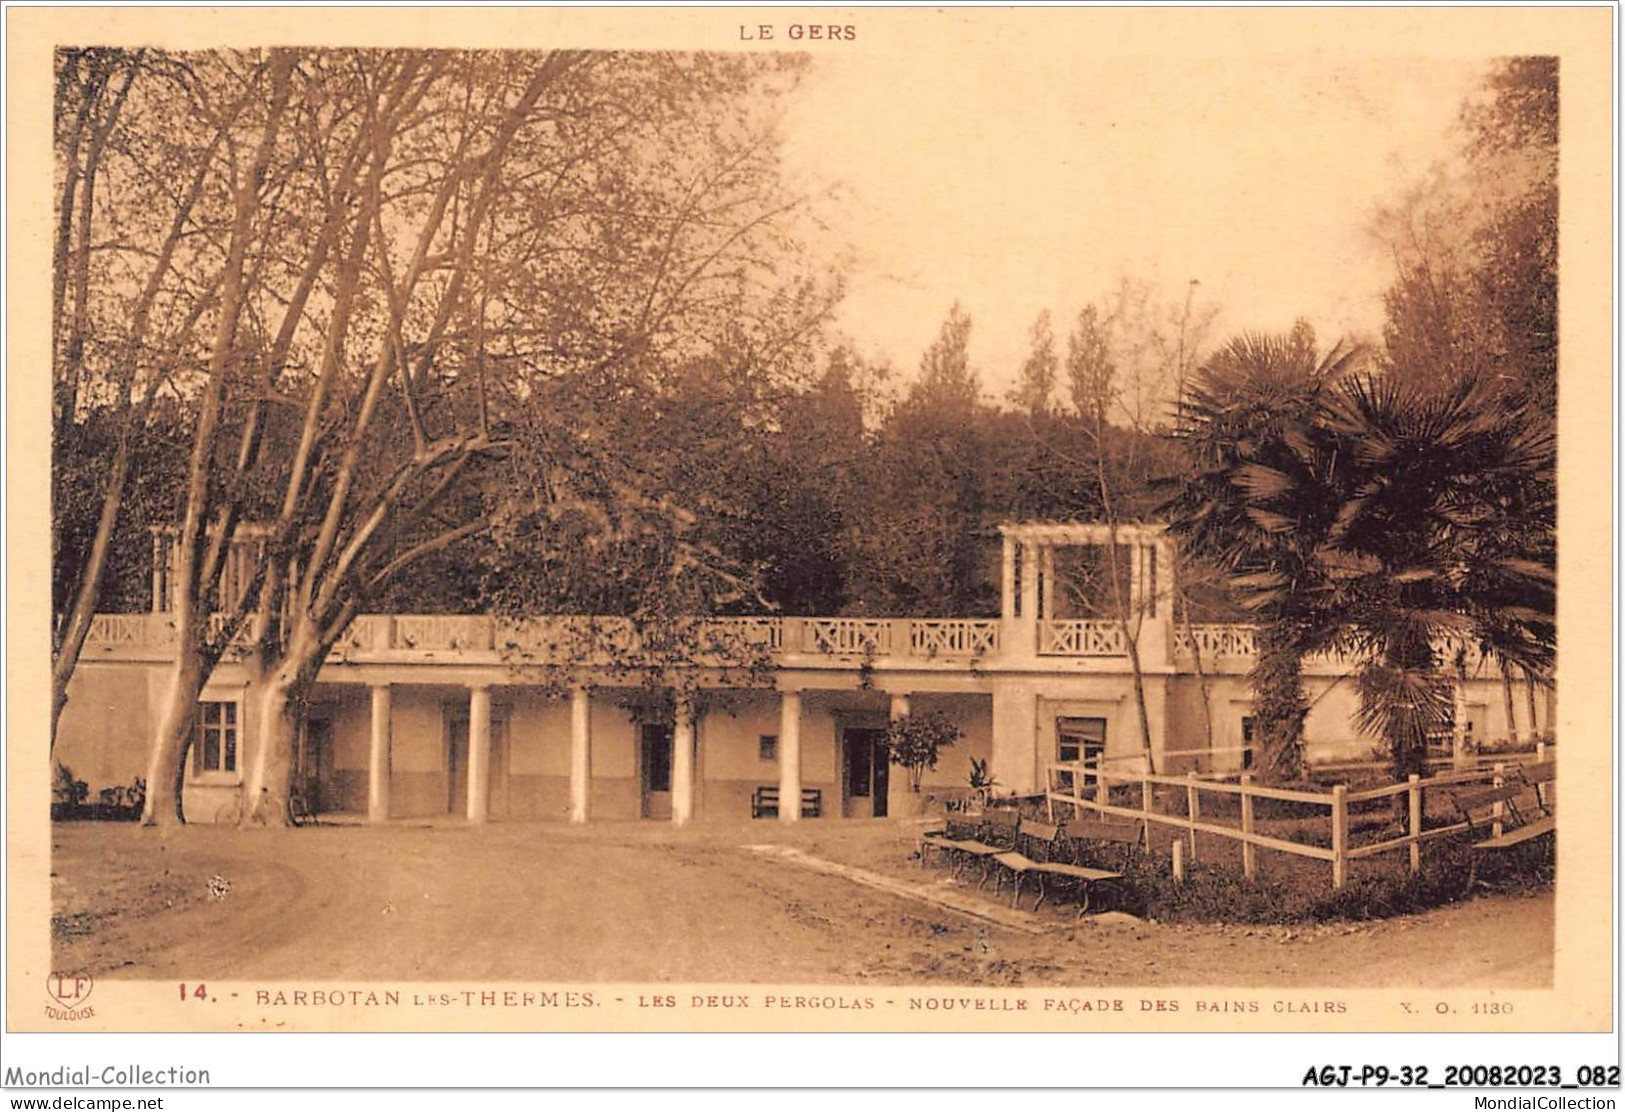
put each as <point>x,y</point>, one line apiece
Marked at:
<point>764,802</point>
<point>1045,852</point>
<point>1495,810</point>
<point>968,838</point>
<point>1108,837</point>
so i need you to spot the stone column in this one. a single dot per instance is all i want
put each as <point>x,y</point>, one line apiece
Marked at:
<point>378,756</point>
<point>790,756</point>
<point>682,764</point>
<point>1007,585</point>
<point>479,753</point>
<point>900,801</point>
<point>580,755</point>
<point>1026,627</point>
<point>1046,567</point>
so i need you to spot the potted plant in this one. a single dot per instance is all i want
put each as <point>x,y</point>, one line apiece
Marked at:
<point>914,742</point>
<point>982,781</point>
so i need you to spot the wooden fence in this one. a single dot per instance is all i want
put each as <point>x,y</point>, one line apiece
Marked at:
<point>1087,787</point>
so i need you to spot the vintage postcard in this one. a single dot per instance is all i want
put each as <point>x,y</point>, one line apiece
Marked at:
<point>811,520</point>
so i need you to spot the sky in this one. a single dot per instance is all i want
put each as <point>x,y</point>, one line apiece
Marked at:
<point>1015,182</point>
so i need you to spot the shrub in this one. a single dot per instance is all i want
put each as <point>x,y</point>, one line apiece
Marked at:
<point>1214,894</point>
<point>916,740</point>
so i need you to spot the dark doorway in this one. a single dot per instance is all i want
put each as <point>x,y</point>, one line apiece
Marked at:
<point>314,765</point>
<point>867,773</point>
<point>654,770</point>
<point>457,767</point>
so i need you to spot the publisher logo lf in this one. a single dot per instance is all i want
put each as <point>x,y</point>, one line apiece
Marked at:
<point>70,990</point>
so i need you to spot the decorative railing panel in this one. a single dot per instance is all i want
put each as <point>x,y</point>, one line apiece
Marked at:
<point>432,632</point>
<point>1081,637</point>
<point>849,636</point>
<point>113,630</point>
<point>368,633</point>
<point>1221,642</point>
<point>724,634</point>
<point>1217,641</point>
<point>933,637</point>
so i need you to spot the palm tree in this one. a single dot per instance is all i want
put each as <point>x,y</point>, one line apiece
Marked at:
<point>1260,500</point>
<point>1445,536</point>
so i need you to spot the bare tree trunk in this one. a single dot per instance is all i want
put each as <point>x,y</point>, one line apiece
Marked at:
<point>78,253</point>
<point>276,699</point>
<point>166,765</point>
<point>1128,615</point>
<point>1506,699</point>
<point>196,580</point>
<point>1529,694</point>
<point>1139,702</point>
<point>71,637</point>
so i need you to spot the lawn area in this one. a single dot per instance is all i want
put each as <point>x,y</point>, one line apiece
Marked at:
<point>644,902</point>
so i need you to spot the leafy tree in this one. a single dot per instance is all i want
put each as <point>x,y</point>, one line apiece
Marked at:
<point>1035,383</point>
<point>1475,247</point>
<point>1474,299</point>
<point>443,276</point>
<point>134,266</point>
<point>915,741</point>
<point>947,380</point>
<point>923,543</point>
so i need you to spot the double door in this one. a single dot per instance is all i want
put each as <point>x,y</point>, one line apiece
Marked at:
<point>865,772</point>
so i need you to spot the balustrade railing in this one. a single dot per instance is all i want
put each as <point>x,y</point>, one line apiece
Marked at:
<point>1081,637</point>
<point>114,630</point>
<point>848,636</point>
<point>1217,641</point>
<point>933,637</point>
<point>436,632</point>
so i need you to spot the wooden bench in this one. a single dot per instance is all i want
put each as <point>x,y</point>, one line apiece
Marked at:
<point>1108,837</point>
<point>1542,777</point>
<point>1047,852</point>
<point>764,802</point>
<point>967,838</point>
<point>1495,821</point>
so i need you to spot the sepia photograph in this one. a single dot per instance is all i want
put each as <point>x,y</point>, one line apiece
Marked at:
<point>837,520</point>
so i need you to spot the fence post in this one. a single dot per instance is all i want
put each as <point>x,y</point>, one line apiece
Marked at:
<point>1499,809</point>
<point>1103,795</point>
<point>1178,848</point>
<point>1192,809</point>
<point>1049,789</point>
<point>1249,852</point>
<point>1340,834</point>
<point>1146,806</point>
<point>1416,823</point>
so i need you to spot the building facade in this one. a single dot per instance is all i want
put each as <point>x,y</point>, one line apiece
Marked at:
<point>479,718</point>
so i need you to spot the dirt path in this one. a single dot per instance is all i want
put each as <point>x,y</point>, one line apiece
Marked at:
<point>641,903</point>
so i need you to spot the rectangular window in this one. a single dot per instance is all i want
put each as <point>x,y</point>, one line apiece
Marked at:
<point>767,747</point>
<point>1247,740</point>
<point>1080,739</point>
<point>214,742</point>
